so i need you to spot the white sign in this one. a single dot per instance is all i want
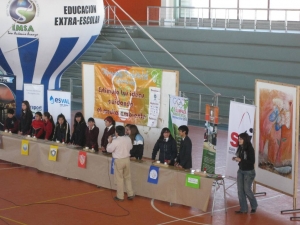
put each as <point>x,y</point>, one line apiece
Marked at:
<point>59,102</point>
<point>241,120</point>
<point>179,110</point>
<point>34,94</point>
<point>154,106</point>
<point>192,180</point>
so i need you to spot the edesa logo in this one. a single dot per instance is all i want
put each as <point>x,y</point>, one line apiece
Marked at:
<point>22,11</point>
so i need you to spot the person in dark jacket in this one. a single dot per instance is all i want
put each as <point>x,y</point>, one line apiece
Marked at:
<point>184,159</point>
<point>48,126</point>
<point>167,147</point>
<point>37,126</point>
<point>108,131</point>
<point>246,174</point>
<point>62,130</point>
<point>91,135</point>
<point>11,124</point>
<point>26,119</point>
<point>137,142</point>
<point>78,136</point>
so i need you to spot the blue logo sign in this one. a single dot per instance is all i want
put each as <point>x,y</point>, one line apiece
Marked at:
<point>112,166</point>
<point>153,174</point>
<point>22,11</point>
<point>51,100</point>
<point>62,101</point>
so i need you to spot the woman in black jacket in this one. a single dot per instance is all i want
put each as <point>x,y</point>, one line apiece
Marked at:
<point>26,119</point>
<point>62,130</point>
<point>167,147</point>
<point>246,174</point>
<point>78,136</point>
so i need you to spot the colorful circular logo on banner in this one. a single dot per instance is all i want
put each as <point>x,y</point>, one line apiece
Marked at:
<point>22,11</point>
<point>25,147</point>
<point>53,152</point>
<point>153,174</point>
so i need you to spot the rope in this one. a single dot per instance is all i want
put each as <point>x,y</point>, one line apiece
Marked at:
<point>216,94</point>
<point>122,52</point>
<point>130,37</point>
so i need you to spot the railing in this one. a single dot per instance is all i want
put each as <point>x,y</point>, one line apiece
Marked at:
<point>198,101</point>
<point>110,15</point>
<point>237,18</point>
<point>72,84</point>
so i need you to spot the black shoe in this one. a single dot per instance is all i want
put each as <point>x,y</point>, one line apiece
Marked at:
<point>130,197</point>
<point>118,199</point>
<point>253,211</point>
<point>240,212</point>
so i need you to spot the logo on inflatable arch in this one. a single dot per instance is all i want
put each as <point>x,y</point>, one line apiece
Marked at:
<point>22,11</point>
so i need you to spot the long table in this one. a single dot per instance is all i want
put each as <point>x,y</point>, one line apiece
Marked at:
<point>170,188</point>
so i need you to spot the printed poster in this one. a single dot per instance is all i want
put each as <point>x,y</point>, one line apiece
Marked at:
<point>128,94</point>
<point>178,115</point>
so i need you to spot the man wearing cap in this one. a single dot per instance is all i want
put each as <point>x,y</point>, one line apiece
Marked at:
<point>120,148</point>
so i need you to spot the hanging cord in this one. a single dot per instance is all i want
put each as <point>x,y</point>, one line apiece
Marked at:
<point>22,45</point>
<point>157,43</point>
<point>122,52</point>
<point>130,36</point>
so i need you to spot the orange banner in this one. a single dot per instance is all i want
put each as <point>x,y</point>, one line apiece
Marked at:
<point>212,114</point>
<point>124,92</point>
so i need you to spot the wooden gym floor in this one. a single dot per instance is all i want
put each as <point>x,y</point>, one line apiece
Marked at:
<point>31,197</point>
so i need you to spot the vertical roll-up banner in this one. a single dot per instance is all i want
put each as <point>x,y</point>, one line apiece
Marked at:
<point>210,139</point>
<point>178,115</point>
<point>241,120</point>
<point>59,102</point>
<point>34,94</point>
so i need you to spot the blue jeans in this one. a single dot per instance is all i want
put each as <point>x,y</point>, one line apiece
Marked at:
<point>244,183</point>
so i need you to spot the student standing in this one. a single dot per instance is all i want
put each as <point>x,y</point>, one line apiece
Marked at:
<point>91,135</point>
<point>127,129</point>
<point>137,141</point>
<point>48,125</point>
<point>26,119</point>
<point>120,148</point>
<point>167,147</point>
<point>108,131</point>
<point>62,130</point>
<point>184,159</point>
<point>11,123</point>
<point>37,126</point>
<point>246,158</point>
<point>78,136</point>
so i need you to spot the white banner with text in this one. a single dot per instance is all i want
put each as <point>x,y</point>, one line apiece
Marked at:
<point>241,120</point>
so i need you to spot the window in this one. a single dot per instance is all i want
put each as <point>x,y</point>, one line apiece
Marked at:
<point>247,12</point>
<point>286,4</point>
<point>224,13</point>
<point>194,13</point>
